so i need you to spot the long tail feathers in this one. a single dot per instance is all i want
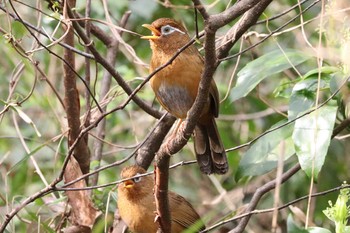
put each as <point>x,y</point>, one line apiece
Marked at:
<point>209,149</point>
<point>202,149</point>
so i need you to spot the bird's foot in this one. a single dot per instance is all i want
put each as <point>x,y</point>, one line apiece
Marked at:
<point>181,129</point>
<point>168,142</point>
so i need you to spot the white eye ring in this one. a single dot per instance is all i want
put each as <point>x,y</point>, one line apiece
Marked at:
<point>137,179</point>
<point>167,29</point>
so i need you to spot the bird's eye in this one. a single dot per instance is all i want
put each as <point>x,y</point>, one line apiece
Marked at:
<point>167,29</point>
<point>137,179</point>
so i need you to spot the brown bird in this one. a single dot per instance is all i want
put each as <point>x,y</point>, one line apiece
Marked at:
<point>176,87</point>
<point>138,210</point>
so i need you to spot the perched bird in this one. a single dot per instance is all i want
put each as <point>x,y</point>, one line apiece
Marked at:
<point>138,210</point>
<point>176,87</point>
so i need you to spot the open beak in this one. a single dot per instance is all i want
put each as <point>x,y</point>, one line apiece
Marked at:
<point>128,184</point>
<point>155,33</point>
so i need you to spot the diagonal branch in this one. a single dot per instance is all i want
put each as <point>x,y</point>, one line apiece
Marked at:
<point>232,13</point>
<point>146,153</point>
<point>271,33</point>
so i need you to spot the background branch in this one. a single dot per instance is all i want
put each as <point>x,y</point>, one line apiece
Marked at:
<point>106,85</point>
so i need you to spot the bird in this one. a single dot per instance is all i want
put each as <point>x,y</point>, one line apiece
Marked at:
<point>176,87</point>
<point>138,210</point>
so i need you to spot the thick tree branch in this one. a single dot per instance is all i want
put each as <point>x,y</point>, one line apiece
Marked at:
<point>72,104</point>
<point>232,13</point>
<point>146,153</point>
<point>83,212</point>
<point>200,7</point>
<point>343,125</point>
<point>212,23</point>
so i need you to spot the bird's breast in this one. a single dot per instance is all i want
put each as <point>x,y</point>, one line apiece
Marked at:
<point>176,85</point>
<point>175,99</point>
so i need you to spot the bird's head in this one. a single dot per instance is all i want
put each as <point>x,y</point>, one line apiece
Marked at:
<point>167,35</point>
<point>135,186</point>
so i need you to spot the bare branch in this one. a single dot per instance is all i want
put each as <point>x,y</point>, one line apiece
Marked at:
<point>146,153</point>
<point>200,7</point>
<point>238,9</point>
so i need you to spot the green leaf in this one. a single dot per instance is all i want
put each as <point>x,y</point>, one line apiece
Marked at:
<point>312,135</point>
<point>303,96</point>
<point>263,155</point>
<point>292,227</point>
<point>325,71</point>
<point>18,30</point>
<point>304,92</point>
<point>265,66</point>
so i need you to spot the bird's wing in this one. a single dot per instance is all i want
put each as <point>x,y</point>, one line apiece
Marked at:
<point>183,214</point>
<point>214,98</point>
<point>213,92</point>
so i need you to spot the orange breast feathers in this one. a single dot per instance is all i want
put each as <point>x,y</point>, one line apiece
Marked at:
<point>176,85</point>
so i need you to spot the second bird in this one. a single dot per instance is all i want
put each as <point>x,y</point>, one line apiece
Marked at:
<point>176,88</point>
<point>138,209</point>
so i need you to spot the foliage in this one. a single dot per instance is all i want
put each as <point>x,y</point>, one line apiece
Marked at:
<point>282,103</point>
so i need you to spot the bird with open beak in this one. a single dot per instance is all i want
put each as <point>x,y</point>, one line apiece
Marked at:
<point>176,87</point>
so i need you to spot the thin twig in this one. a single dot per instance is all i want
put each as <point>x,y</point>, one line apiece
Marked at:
<point>282,13</point>
<point>270,34</point>
<point>47,49</point>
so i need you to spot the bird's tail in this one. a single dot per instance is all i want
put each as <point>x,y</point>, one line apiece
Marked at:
<point>210,152</point>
